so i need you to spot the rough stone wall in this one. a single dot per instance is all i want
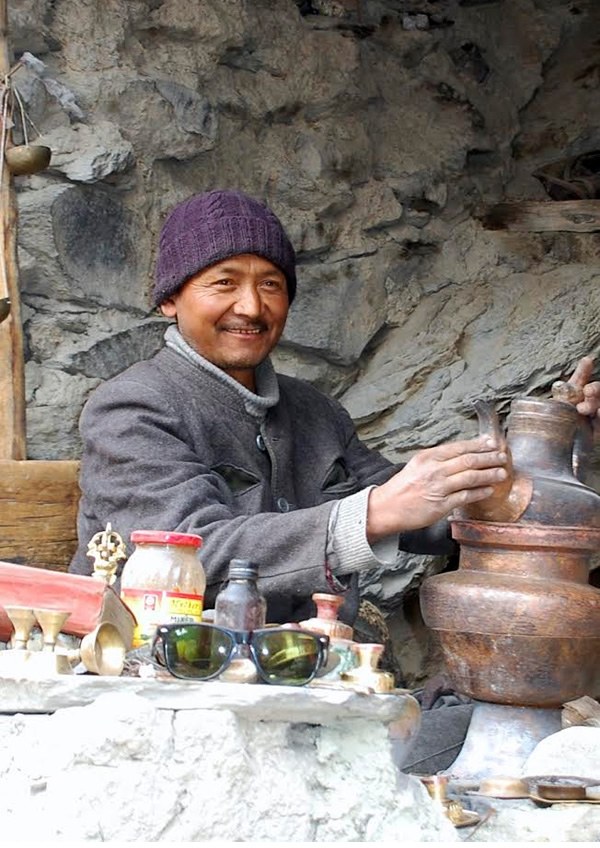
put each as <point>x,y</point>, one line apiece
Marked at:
<point>376,130</point>
<point>120,769</point>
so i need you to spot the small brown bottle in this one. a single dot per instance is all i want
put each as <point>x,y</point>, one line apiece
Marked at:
<point>240,605</point>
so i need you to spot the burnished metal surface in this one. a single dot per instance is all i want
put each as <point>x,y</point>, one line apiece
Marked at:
<point>27,158</point>
<point>500,739</point>
<point>518,623</point>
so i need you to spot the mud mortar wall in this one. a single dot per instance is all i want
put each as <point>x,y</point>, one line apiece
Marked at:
<point>378,131</point>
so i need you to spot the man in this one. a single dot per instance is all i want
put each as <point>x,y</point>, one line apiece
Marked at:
<point>205,438</point>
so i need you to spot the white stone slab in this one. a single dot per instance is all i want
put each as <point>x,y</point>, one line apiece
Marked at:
<point>572,752</point>
<point>259,702</point>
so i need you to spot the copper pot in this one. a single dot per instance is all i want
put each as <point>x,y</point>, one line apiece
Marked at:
<point>518,623</point>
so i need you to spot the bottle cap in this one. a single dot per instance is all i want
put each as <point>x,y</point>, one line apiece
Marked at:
<point>161,537</point>
<point>240,568</point>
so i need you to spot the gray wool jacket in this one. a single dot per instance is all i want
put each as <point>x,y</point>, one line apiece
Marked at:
<point>279,477</point>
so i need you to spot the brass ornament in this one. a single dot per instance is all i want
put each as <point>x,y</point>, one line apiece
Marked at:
<point>107,549</point>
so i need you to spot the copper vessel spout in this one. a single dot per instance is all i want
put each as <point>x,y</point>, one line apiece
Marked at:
<point>512,496</point>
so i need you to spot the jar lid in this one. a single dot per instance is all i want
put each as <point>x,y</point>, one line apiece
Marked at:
<point>161,537</point>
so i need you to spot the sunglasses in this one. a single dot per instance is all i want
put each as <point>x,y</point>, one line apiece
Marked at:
<point>202,651</point>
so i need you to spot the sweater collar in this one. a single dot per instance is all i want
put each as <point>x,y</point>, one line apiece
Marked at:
<point>267,394</point>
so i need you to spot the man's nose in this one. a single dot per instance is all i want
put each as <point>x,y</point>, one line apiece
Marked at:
<point>248,301</point>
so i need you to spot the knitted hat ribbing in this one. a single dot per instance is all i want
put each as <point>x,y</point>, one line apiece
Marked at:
<point>212,226</point>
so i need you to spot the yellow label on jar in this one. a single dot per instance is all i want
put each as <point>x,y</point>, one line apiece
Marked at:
<point>152,607</point>
<point>179,608</point>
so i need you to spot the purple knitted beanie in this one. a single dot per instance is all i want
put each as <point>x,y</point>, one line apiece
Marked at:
<point>212,226</point>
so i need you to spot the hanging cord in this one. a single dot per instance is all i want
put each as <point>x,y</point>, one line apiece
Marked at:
<point>8,96</point>
<point>19,100</point>
<point>4,293</point>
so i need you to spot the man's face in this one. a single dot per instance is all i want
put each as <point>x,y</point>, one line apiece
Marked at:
<point>232,313</point>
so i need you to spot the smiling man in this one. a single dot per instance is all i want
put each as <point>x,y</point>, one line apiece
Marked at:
<point>206,438</point>
<point>233,313</point>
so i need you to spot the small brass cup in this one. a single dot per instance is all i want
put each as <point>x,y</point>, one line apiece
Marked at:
<point>103,650</point>
<point>23,620</point>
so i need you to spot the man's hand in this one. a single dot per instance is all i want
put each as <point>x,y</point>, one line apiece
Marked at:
<point>590,405</point>
<point>434,483</point>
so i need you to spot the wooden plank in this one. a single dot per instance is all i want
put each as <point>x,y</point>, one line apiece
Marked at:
<point>543,216</point>
<point>12,381</point>
<point>38,512</point>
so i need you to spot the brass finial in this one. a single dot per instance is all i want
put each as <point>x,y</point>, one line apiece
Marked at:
<point>107,548</point>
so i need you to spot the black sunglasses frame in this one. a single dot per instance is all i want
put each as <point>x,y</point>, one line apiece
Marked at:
<point>245,638</point>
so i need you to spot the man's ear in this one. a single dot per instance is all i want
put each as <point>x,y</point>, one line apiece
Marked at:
<point>168,308</point>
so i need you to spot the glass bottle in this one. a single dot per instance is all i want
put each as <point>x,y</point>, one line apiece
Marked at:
<point>240,605</point>
<point>163,581</point>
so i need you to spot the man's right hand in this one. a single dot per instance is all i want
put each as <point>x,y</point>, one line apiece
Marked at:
<point>433,483</point>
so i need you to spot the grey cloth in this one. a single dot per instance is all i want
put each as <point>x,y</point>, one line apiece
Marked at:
<point>176,444</point>
<point>439,740</point>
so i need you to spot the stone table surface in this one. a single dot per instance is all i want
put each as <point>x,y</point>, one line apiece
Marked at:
<point>100,759</point>
<point>258,702</point>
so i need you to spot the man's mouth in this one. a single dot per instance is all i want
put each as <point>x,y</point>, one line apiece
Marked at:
<point>245,331</point>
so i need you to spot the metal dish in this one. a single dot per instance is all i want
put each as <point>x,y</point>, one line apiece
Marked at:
<point>563,791</point>
<point>503,787</point>
<point>558,789</point>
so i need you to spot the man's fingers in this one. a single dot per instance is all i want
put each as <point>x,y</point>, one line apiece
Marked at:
<point>447,487</point>
<point>467,496</point>
<point>473,462</point>
<point>583,372</point>
<point>591,402</point>
<point>450,450</point>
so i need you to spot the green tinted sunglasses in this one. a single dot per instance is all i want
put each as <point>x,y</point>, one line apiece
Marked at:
<point>202,651</point>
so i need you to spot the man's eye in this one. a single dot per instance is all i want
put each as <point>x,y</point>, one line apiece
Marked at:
<point>273,284</point>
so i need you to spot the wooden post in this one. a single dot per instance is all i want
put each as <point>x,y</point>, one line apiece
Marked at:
<point>12,378</point>
<point>38,498</point>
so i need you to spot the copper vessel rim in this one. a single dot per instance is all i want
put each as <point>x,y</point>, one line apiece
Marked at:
<point>525,535</point>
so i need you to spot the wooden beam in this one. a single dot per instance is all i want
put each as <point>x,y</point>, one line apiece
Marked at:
<point>12,379</point>
<point>544,216</point>
<point>38,512</point>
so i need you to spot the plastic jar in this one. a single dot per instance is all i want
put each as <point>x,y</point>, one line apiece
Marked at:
<point>163,581</point>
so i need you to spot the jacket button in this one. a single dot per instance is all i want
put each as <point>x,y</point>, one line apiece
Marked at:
<point>260,443</point>
<point>283,505</point>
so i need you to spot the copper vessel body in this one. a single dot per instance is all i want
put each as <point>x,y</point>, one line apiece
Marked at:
<point>518,623</point>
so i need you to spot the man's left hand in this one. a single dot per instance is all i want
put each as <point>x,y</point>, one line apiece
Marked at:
<point>590,405</point>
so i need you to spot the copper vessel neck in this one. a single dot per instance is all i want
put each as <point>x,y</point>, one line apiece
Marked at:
<point>541,434</point>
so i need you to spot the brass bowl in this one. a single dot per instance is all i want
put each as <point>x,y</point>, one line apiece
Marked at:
<point>503,787</point>
<point>27,158</point>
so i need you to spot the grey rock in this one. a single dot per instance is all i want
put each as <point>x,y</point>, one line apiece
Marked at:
<point>334,321</point>
<point>108,357</point>
<point>63,95</point>
<point>95,244</point>
<point>87,154</point>
<point>193,113</point>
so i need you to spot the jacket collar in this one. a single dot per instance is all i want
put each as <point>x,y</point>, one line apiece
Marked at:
<point>267,394</point>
